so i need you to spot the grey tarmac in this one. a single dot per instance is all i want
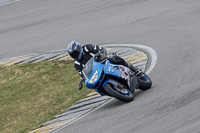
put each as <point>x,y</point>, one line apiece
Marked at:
<point>170,27</point>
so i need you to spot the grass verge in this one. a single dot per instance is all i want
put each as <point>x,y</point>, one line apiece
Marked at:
<point>33,93</point>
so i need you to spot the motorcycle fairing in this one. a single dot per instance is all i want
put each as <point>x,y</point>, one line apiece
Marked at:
<point>96,66</point>
<point>112,69</point>
<point>118,71</point>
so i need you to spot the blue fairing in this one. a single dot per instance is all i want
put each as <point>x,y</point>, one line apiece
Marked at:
<point>96,66</point>
<point>107,68</point>
<point>110,70</point>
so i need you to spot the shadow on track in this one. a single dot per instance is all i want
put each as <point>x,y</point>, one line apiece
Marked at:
<point>116,103</point>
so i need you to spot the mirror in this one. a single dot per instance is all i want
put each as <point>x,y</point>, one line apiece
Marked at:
<point>80,85</point>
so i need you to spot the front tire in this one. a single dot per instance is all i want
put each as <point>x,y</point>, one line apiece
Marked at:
<point>121,94</point>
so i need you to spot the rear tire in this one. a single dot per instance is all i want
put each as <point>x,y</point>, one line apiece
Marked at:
<point>124,95</point>
<point>145,82</point>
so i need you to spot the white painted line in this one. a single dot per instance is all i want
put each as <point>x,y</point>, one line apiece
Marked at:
<point>7,2</point>
<point>153,58</point>
<point>53,126</point>
<point>83,115</point>
<point>90,106</point>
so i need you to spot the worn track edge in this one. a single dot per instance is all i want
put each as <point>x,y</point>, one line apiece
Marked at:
<point>148,50</point>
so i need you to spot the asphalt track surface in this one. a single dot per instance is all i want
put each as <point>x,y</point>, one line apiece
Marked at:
<point>170,27</point>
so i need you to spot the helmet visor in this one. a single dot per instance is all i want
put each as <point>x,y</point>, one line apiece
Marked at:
<point>75,54</point>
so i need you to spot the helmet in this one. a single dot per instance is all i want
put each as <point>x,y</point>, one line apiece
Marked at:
<point>75,50</point>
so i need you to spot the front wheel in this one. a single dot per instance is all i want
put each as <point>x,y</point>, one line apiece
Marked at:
<point>144,82</point>
<point>122,94</point>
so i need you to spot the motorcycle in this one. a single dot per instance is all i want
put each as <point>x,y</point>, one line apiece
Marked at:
<point>113,80</point>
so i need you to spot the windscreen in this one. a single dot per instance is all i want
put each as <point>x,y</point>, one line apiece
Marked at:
<point>87,70</point>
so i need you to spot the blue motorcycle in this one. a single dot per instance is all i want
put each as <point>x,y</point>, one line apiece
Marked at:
<point>113,80</point>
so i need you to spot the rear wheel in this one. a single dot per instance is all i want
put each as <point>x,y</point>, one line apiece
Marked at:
<point>144,82</point>
<point>120,93</point>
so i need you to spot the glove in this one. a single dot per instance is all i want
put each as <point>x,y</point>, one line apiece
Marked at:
<point>98,57</point>
<point>98,54</point>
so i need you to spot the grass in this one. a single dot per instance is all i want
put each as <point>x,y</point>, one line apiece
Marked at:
<point>33,93</point>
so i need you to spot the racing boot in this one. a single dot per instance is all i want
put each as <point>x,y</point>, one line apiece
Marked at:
<point>137,71</point>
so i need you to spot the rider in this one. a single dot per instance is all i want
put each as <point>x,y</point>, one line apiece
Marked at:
<point>82,54</point>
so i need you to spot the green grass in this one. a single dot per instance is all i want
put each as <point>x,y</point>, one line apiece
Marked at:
<point>33,93</point>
